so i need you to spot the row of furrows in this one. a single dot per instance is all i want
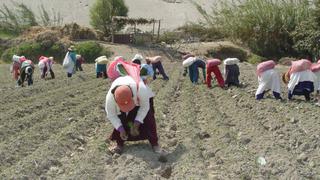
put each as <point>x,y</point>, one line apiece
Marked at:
<point>30,140</point>
<point>28,95</point>
<point>57,95</point>
<point>43,150</point>
<point>251,117</point>
<point>19,122</point>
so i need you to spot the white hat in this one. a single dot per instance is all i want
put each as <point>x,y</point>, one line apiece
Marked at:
<point>138,57</point>
<point>78,56</point>
<point>102,60</point>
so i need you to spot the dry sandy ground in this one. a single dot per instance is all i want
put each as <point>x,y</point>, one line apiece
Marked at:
<point>172,15</point>
<point>56,129</point>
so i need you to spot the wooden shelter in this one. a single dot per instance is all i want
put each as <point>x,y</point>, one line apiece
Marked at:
<point>129,38</point>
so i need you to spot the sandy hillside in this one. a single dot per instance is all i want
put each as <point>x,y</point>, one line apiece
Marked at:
<point>172,15</point>
<point>56,129</point>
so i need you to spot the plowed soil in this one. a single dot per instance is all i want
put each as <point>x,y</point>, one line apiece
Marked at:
<point>56,129</point>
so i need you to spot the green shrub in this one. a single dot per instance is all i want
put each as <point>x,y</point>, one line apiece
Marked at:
<point>33,51</point>
<point>90,50</point>
<point>263,25</point>
<point>101,14</point>
<point>200,31</point>
<point>170,37</point>
<point>29,50</point>
<point>255,59</point>
<point>224,51</point>
<point>307,39</point>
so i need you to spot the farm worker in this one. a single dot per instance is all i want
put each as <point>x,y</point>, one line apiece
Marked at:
<point>137,59</point>
<point>194,71</point>
<point>155,61</point>
<point>302,80</point>
<point>212,67</point>
<point>69,61</point>
<point>26,72</point>
<point>146,73</point>
<point>231,71</point>
<point>315,68</point>
<point>101,67</point>
<point>129,107</point>
<point>45,64</point>
<point>185,57</point>
<point>15,67</point>
<point>79,62</point>
<point>268,78</point>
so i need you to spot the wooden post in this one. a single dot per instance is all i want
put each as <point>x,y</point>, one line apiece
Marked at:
<point>112,34</point>
<point>153,29</point>
<point>159,30</point>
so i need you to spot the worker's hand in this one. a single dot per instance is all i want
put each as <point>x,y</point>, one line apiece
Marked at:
<point>123,135</point>
<point>134,131</point>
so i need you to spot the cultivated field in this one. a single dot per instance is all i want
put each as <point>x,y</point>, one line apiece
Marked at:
<point>56,129</point>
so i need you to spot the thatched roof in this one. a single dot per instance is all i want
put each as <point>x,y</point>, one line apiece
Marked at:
<point>132,21</point>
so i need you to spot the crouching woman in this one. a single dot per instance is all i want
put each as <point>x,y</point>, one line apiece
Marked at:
<point>130,110</point>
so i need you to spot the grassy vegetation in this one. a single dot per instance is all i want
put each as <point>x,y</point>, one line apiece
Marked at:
<point>6,35</point>
<point>264,26</point>
<point>89,50</point>
<point>226,51</point>
<point>15,20</point>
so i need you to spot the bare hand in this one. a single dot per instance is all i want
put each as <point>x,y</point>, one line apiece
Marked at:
<point>123,135</point>
<point>134,131</point>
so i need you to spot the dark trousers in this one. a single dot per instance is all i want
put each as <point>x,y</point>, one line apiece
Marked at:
<point>43,74</point>
<point>24,76</point>
<point>158,65</point>
<point>102,74</point>
<point>275,94</point>
<point>304,88</point>
<point>78,66</point>
<point>148,129</point>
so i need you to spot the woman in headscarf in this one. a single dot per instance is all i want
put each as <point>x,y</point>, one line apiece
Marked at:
<point>302,81</point>
<point>79,62</point>
<point>268,78</point>
<point>45,66</point>
<point>69,61</point>
<point>231,71</point>
<point>26,73</point>
<point>157,64</point>
<point>212,67</point>
<point>193,64</point>
<point>129,108</point>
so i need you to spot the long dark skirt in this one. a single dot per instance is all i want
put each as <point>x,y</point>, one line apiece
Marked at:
<point>147,130</point>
